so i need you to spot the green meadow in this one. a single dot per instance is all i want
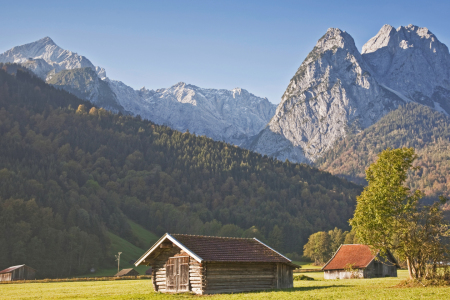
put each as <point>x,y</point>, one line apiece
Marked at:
<point>383,288</point>
<point>129,251</point>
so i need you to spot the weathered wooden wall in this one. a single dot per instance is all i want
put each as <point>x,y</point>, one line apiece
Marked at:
<point>159,267</point>
<point>241,277</point>
<point>197,277</point>
<point>196,282</point>
<point>5,277</point>
<point>22,273</point>
<point>285,276</point>
<point>380,268</point>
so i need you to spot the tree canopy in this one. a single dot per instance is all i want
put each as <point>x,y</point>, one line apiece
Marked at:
<point>389,216</point>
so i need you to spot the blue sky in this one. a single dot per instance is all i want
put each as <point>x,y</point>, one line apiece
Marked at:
<point>256,45</point>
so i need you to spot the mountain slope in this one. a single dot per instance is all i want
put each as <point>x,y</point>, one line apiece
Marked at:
<point>333,93</point>
<point>85,84</point>
<point>69,176</point>
<point>411,125</point>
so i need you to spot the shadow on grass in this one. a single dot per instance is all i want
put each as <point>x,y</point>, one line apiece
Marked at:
<point>296,289</point>
<point>310,288</point>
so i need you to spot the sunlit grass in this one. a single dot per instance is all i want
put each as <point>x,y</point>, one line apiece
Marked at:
<point>381,288</point>
<point>307,265</point>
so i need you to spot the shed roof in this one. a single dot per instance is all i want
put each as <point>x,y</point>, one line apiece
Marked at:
<point>10,269</point>
<point>221,249</point>
<point>125,272</point>
<point>360,256</point>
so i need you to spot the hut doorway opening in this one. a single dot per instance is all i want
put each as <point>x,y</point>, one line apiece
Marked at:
<point>177,274</point>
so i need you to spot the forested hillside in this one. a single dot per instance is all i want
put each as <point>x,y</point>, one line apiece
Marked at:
<point>70,173</point>
<point>412,125</point>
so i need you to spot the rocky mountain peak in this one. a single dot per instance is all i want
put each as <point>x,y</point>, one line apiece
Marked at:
<point>335,37</point>
<point>45,58</point>
<point>46,40</point>
<point>380,40</point>
<point>413,62</point>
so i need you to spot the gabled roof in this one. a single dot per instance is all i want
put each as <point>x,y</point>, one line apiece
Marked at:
<point>221,249</point>
<point>360,256</point>
<point>125,272</point>
<point>10,269</point>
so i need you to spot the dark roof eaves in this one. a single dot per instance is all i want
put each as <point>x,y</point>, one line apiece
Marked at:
<point>149,251</point>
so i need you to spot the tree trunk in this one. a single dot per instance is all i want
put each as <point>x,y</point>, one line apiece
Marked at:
<point>408,262</point>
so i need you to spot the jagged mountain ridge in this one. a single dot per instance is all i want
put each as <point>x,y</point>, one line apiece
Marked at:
<point>412,61</point>
<point>230,116</point>
<point>337,90</point>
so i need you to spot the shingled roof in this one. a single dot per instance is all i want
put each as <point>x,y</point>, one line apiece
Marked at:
<point>127,272</point>
<point>222,249</point>
<point>360,256</point>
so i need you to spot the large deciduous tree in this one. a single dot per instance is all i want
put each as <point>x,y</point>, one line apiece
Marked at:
<point>388,215</point>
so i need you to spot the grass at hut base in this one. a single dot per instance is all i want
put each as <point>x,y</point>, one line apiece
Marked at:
<point>381,288</point>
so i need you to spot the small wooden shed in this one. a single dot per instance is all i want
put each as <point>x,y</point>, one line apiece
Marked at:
<point>127,272</point>
<point>211,265</point>
<point>364,263</point>
<point>20,272</point>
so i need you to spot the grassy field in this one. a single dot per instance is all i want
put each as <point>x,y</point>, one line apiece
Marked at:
<point>382,288</point>
<point>129,251</point>
<point>307,265</point>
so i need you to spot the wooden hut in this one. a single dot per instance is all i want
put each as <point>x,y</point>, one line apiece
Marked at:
<point>20,272</point>
<point>358,261</point>
<point>127,272</point>
<point>211,265</point>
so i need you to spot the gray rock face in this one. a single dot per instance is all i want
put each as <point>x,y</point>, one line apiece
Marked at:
<point>413,62</point>
<point>231,116</point>
<point>228,115</point>
<point>332,93</point>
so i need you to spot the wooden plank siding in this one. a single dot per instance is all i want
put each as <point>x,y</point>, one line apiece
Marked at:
<point>242,277</point>
<point>174,271</point>
<point>5,277</point>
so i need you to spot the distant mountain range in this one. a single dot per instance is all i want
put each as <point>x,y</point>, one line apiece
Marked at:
<point>337,92</point>
<point>225,115</point>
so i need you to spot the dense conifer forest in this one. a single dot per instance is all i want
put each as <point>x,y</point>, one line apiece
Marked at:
<point>70,172</point>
